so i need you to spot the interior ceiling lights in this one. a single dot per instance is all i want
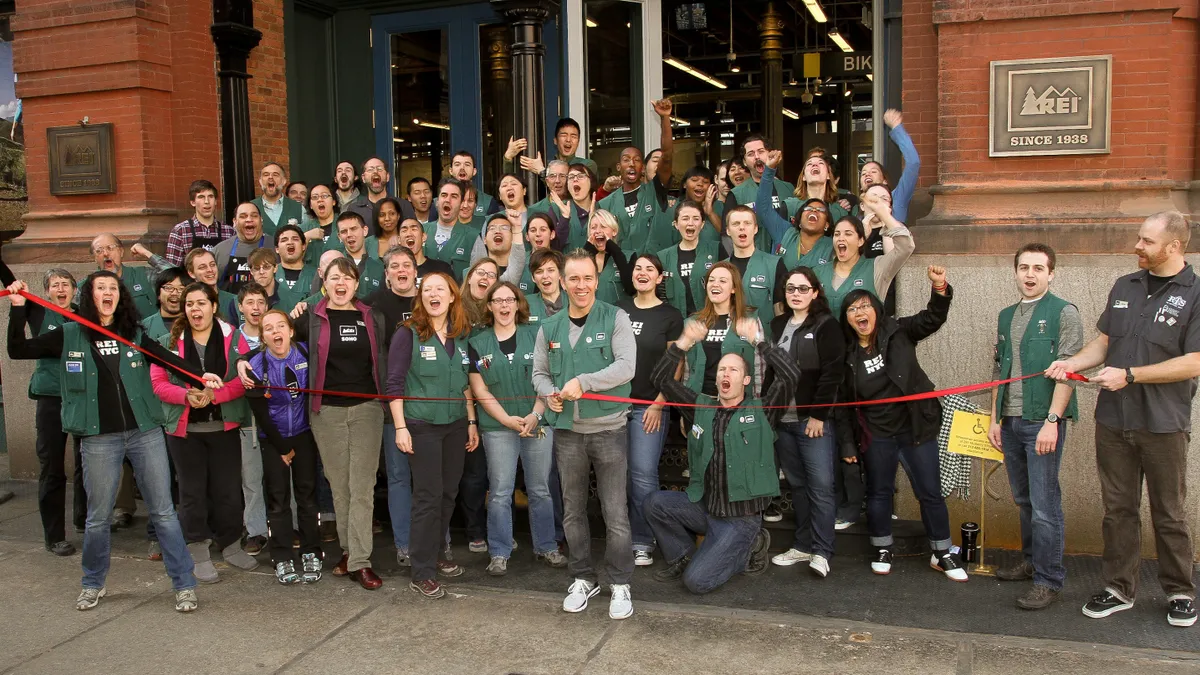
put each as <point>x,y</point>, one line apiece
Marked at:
<point>698,74</point>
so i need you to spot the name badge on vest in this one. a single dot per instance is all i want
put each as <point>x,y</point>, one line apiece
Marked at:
<point>74,366</point>
<point>555,345</point>
<point>697,431</point>
<point>75,355</point>
<point>428,353</point>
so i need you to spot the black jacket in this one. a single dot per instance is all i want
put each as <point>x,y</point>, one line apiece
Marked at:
<point>897,339</point>
<point>821,358</point>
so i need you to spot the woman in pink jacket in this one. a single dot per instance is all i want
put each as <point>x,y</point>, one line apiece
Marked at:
<point>202,432</point>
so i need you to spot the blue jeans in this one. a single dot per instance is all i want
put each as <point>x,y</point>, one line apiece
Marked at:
<point>808,464</point>
<point>1034,482</point>
<point>503,449</point>
<point>676,521</point>
<point>103,455</point>
<point>399,489</point>
<point>923,468</point>
<point>644,452</point>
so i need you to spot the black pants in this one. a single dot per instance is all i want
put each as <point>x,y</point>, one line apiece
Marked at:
<point>209,467</point>
<point>472,494</point>
<point>279,482</point>
<point>439,451</point>
<point>51,446</point>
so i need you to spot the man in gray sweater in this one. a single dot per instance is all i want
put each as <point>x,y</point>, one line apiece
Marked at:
<point>589,348</point>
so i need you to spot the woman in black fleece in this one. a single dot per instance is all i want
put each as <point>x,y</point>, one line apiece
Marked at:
<point>805,444</point>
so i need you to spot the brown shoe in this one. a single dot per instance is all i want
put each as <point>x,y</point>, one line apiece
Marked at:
<point>328,530</point>
<point>429,588</point>
<point>339,570</point>
<point>449,569</point>
<point>1018,572</point>
<point>367,578</point>
<point>1038,597</point>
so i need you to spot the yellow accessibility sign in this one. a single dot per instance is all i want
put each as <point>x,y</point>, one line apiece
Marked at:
<point>968,436</point>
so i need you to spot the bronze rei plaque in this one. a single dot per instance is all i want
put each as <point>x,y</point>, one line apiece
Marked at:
<point>81,159</point>
<point>1050,106</point>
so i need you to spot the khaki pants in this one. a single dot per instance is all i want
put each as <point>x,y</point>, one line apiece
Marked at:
<point>349,440</point>
<point>1123,459</point>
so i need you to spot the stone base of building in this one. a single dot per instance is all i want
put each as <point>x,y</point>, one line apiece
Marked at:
<point>67,236</point>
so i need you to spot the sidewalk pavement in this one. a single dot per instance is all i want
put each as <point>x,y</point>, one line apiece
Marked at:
<point>248,623</point>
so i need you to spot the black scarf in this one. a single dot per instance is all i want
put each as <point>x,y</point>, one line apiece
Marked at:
<point>214,362</point>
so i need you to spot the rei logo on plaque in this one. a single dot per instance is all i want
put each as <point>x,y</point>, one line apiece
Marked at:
<point>1050,106</point>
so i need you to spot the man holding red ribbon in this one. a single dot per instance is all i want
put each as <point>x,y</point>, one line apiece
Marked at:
<point>1150,344</point>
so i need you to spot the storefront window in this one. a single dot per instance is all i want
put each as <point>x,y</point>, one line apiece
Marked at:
<point>611,54</point>
<point>420,101</point>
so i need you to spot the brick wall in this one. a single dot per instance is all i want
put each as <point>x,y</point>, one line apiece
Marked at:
<point>268,88</point>
<point>948,45</point>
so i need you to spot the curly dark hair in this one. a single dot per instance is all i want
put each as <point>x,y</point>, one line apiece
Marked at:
<point>127,321</point>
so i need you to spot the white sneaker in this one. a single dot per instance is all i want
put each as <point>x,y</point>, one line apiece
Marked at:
<point>642,558</point>
<point>840,524</point>
<point>819,566</point>
<point>621,604</point>
<point>578,595</point>
<point>791,557</point>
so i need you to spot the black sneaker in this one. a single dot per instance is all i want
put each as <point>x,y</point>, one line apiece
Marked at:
<point>1181,612</point>
<point>773,514</point>
<point>759,559</point>
<point>882,564</point>
<point>1107,603</point>
<point>674,571</point>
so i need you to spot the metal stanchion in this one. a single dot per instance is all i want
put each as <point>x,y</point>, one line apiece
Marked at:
<point>982,568</point>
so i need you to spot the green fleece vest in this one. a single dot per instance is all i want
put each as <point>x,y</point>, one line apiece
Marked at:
<point>237,410</point>
<point>526,284</point>
<point>456,252</point>
<point>649,229</point>
<point>697,360</point>
<point>434,374</point>
<point>747,193</point>
<point>371,277</point>
<point>758,283</point>
<point>81,407</point>
<point>45,381</point>
<point>154,326</point>
<point>1039,348</point>
<point>511,383</point>
<point>593,352</point>
<point>139,281</point>
<point>537,308</point>
<point>288,297</point>
<point>820,254</point>
<point>706,256</point>
<point>749,452</point>
<point>862,275</point>
<point>608,287</point>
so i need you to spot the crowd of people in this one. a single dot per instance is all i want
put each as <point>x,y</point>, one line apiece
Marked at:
<point>478,350</point>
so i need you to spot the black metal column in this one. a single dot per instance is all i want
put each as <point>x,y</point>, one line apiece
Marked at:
<point>500,67</point>
<point>235,37</point>
<point>526,17</point>
<point>771,32</point>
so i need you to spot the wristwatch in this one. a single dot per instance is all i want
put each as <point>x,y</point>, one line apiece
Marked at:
<point>1052,418</point>
<point>538,415</point>
<point>472,423</point>
<point>1129,376</point>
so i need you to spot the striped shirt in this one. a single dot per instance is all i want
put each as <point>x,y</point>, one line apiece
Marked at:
<point>179,242</point>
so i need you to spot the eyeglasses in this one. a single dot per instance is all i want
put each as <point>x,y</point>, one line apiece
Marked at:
<point>485,274</point>
<point>818,209</point>
<point>556,176</point>
<point>504,301</point>
<point>576,176</point>
<point>859,309</point>
<point>797,289</point>
<point>263,267</point>
<point>100,250</point>
<point>172,289</point>
<point>499,228</point>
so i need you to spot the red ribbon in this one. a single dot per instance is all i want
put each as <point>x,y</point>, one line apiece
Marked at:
<point>589,396</point>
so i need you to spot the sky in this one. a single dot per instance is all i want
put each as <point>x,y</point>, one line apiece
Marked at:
<point>8,92</point>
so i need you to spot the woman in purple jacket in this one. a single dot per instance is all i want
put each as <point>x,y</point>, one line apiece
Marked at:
<point>289,452</point>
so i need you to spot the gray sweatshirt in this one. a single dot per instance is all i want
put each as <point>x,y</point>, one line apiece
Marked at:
<point>624,347</point>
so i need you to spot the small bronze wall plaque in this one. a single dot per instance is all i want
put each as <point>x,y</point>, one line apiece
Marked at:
<point>81,159</point>
<point>1050,106</point>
